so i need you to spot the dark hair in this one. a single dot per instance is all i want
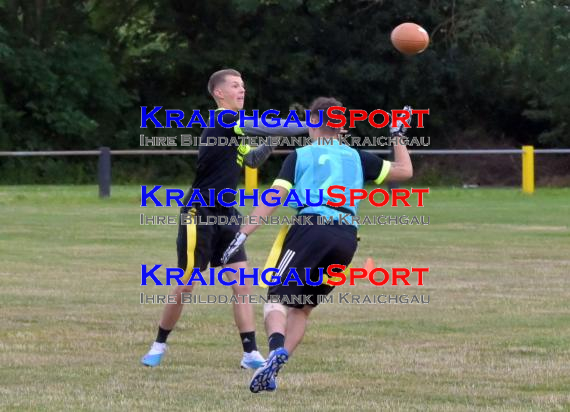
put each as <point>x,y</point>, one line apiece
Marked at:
<point>219,77</point>
<point>322,104</point>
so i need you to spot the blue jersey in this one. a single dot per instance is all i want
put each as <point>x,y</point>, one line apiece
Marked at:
<point>311,170</point>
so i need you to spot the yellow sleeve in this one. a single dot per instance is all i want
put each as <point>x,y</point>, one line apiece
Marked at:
<point>386,165</point>
<point>283,183</point>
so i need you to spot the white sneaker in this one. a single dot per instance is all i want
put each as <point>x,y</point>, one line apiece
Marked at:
<point>252,360</point>
<point>154,355</point>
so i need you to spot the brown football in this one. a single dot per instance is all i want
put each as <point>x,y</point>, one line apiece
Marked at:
<point>409,38</point>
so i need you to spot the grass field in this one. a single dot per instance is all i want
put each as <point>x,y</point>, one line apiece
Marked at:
<point>494,336</point>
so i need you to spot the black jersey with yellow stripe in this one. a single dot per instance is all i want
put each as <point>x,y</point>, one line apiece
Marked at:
<point>219,166</point>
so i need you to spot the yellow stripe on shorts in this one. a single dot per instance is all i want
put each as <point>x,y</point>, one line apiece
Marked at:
<point>335,279</point>
<point>276,249</point>
<point>190,248</point>
<point>271,261</point>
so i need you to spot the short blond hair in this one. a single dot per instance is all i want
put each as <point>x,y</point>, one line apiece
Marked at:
<point>219,77</point>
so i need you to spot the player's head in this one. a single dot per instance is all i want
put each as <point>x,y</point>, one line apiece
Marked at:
<point>227,88</point>
<point>321,104</point>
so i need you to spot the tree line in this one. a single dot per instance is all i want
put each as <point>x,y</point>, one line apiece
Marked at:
<point>75,73</point>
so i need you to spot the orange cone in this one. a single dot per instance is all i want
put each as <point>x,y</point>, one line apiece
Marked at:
<point>369,265</point>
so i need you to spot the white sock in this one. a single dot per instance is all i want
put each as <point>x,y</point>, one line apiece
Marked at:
<point>157,348</point>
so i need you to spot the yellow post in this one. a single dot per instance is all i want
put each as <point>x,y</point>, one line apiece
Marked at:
<point>528,169</point>
<point>250,180</point>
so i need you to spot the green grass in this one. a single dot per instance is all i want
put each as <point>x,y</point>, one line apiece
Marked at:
<point>495,335</point>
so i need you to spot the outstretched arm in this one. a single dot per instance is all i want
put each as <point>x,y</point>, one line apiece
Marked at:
<point>259,212</point>
<point>401,168</point>
<point>282,185</point>
<point>263,210</point>
<point>256,157</point>
<point>292,129</point>
<point>379,170</point>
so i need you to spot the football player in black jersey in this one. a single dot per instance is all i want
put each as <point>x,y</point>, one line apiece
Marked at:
<point>219,167</point>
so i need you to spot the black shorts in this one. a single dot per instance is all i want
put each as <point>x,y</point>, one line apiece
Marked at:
<point>314,247</point>
<point>201,245</point>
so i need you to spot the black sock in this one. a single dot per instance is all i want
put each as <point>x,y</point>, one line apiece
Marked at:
<point>276,340</point>
<point>248,341</point>
<point>162,335</point>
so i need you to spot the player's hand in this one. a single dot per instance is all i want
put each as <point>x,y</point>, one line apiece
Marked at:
<point>400,129</point>
<point>239,240</point>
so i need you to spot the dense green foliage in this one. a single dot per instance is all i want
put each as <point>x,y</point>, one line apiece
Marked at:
<point>75,73</point>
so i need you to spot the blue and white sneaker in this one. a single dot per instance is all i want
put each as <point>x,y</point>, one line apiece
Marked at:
<point>252,360</point>
<point>154,355</point>
<point>264,378</point>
